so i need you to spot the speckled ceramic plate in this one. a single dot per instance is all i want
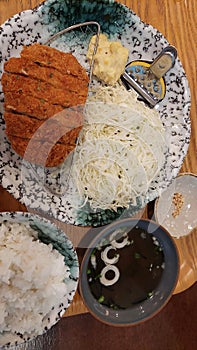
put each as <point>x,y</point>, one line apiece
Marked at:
<point>144,42</point>
<point>47,233</point>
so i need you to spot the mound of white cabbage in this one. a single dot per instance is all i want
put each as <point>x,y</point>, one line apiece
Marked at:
<point>120,151</point>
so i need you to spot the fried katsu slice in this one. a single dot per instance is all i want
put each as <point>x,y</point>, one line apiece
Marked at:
<point>52,130</point>
<point>24,66</point>
<point>43,90</point>
<point>39,152</point>
<point>29,105</point>
<point>40,89</point>
<point>48,56</point>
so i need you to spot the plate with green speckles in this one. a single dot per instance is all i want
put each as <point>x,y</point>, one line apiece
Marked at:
<point>143,41</point>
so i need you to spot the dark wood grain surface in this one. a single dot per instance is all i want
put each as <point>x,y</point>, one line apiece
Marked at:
<point>174,328</point>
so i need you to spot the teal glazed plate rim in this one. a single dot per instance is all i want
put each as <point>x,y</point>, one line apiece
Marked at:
<point>144,42</point>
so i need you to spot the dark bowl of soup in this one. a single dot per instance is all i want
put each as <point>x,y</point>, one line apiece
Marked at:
<point>129,272</point>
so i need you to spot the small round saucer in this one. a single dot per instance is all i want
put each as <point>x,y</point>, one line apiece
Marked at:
<point>175,209</point>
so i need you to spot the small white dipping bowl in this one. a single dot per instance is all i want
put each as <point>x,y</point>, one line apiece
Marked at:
<point>179,221</point>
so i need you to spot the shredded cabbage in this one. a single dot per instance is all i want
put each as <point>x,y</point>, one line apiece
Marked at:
<point>133,142</point>
<point>120,150</point>
<point>119,96</point>
<point>108,174</point>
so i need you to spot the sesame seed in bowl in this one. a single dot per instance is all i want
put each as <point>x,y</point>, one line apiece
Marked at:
<point>175,209</point>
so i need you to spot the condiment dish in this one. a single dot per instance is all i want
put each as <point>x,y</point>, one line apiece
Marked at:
<point>175,209</point>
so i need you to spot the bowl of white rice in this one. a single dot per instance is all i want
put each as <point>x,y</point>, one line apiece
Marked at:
<point>39,273</point>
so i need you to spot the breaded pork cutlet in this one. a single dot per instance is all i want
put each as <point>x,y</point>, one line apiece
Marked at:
<point>48,152</point>
<point>41,91</point>
<point>53,129</point>
<point>34,107</point>
<point>66,63</point>
<point>24,66</point>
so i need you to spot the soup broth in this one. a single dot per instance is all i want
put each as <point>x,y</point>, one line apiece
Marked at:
<point>126,269</point>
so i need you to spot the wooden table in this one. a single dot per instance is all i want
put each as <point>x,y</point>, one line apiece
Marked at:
<point>176,20</point>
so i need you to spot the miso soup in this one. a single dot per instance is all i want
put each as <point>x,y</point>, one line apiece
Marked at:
<point>125,269</point>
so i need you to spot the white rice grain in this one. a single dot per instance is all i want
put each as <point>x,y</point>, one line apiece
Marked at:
<point>31,279</point>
